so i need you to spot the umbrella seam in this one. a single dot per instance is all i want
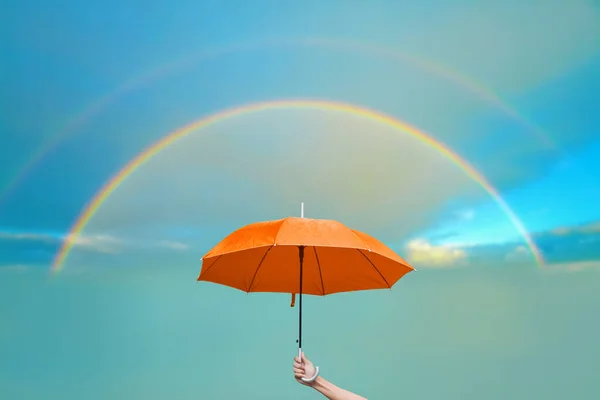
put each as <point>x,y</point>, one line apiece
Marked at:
<point>283,221</point>
<point>320,272</point>
<point>369,248</point>
<point>361,239</point>
<point>212,265</point>
<point>257,268</point>
<point>376,269</point>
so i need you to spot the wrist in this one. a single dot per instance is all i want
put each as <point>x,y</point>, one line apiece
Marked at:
<point>321,385</point>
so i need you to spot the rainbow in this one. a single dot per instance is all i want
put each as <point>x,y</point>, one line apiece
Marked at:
<point>485,94</point>
<point>101,196</point>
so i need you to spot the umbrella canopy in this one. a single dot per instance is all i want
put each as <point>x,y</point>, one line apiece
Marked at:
<point>265,257</point>
<point>304,256</point>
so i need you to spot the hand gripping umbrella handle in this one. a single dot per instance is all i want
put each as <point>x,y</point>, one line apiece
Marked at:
<point>308,380</point>
<point>315,376</point>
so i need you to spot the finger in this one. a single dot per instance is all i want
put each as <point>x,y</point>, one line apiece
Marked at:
<point>299,371</point>
<point>297,365</point>
<point>297,360</point>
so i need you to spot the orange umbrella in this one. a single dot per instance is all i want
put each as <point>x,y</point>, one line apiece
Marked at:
<point>304,256</point>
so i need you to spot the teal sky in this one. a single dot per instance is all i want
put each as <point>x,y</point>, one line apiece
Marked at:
<point>512,87</point>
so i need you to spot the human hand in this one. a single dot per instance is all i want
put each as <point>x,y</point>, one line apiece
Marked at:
<point>303,369</point>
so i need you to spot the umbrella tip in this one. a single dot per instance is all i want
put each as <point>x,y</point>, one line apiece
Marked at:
<point>302,210</point>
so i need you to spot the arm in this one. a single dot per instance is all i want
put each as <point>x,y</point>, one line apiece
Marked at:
<point>306,369</point>
<point>333,392</point>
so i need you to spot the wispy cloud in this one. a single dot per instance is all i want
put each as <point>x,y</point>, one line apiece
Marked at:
<point>519,253</point>
<point>95,242</point>
<point>591,228</point>
<point>466,215</point>
<point>570,243</point>
<point>174,245</point>
<point>15,268</point>
<point>99,243</point>
<point>38,237</point>
<point>575,266</point>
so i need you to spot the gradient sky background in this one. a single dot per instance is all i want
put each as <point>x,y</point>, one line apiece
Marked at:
<point>513,87</point>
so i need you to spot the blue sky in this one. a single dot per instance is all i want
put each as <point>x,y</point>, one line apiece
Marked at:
<point>86,87</point>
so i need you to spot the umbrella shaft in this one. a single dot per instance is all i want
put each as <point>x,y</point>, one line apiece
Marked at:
<point>301,254</point>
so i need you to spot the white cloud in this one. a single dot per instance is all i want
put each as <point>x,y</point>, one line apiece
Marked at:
<point>425,254</point>
<point>466,215</point>
<point>99,243</point>
<point>574,266</point>
<point>179,246</point>
<point>16,268</point>
<point>519,253</point>
<point>39,237</point>
<point>591,228</point>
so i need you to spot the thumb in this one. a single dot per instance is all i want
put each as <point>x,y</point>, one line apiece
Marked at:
<point>304,359</point>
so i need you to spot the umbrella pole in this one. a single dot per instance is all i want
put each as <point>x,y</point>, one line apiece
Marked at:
<point>301,254</point>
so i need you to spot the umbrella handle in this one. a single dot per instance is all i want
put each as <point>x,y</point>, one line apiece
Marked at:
<point>315,376</point>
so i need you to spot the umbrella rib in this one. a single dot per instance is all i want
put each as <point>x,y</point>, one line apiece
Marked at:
<point>213,264</point>
<point>376,269</point>
<point>320,272</point>
<point>257,268</point>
